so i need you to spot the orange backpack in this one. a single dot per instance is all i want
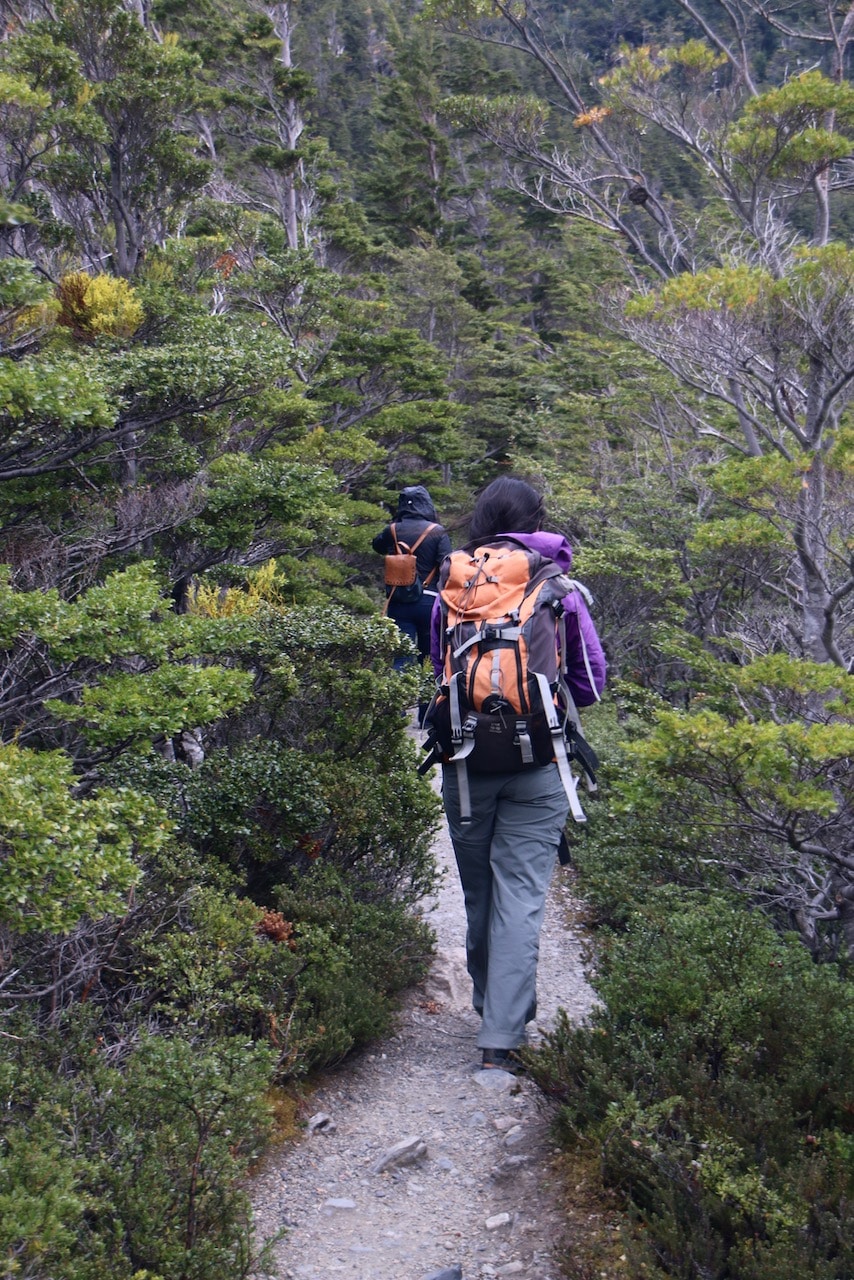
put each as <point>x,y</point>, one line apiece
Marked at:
<point>503,704</point>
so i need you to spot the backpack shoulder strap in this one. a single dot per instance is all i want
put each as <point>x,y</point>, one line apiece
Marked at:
<point>416,544</point>
<point>422,536</point>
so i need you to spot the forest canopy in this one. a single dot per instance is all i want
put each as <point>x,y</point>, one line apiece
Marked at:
<point>263,264</point>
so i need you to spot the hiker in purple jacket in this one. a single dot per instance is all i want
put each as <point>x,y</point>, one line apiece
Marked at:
<point>506,850</point>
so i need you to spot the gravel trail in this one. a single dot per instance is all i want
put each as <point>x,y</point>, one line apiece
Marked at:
<point>416,1164</point>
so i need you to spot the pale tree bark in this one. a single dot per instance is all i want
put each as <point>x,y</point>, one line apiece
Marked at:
<point>289,122</point>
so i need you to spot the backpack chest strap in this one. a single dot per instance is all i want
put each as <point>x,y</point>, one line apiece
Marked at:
<point>486,636</point>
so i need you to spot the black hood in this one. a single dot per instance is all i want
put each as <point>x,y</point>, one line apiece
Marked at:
<point>415,503</point>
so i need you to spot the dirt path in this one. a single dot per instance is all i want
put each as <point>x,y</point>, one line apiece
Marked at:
<point>417,1164</point>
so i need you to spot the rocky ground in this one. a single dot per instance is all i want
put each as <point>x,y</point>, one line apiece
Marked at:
<point>415,1164</point>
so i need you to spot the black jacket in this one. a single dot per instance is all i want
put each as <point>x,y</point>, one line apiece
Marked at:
<point>415,511</point>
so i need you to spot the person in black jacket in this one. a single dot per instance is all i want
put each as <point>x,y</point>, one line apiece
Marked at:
<point>415,513</point>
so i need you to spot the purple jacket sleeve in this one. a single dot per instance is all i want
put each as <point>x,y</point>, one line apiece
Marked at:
<point>581,639</point>
<point>436,638</point>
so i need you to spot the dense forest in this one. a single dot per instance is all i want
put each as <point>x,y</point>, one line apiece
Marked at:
<point>261,265</point>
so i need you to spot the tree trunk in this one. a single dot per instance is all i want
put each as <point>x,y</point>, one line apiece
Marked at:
<point>812,557</point>
<point>126,252</point>
<point>291,122</point>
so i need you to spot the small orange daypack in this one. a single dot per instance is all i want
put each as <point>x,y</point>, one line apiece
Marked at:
<point>401,568</point>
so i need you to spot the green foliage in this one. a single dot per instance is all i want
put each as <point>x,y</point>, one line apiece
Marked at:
<point>778,771</point>
<point>785,131</point>
<point>109,144</point>
<point>630,848</point>
<point>736,288</point>
<point>64,857</point>
<point>714,1080</point>
<point>161,1200</point>
<point>20,286</point>
<point>133,709</point>
<point>216,973</point>
<point>346,718</point>
<point>383,828</point>
<point>356,955</point>
<point>84,646</point>
<point>259,806</point>
<point>356,302</point>
<point>462,10</point>
<point>41,1199</point>
<point>40,395</point>
<point>243,487</point>
<point>522,118</point>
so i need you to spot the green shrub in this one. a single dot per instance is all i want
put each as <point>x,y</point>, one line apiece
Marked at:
<point>355,957</point>
<point>626,850</point>
<point>266,929</point>
<point>214,971</point>
<point>256,807</point>
<point>65,857</point>
<point>41,1197</point>
<point>317,765</point>
<point>109,1169</point>
<point>383,827</point>
<point>716,1080</point>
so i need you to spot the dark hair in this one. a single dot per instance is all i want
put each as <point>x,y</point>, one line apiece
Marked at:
<point>507,505</point>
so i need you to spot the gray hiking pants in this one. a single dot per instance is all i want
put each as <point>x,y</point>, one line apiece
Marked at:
<point>505,856</point>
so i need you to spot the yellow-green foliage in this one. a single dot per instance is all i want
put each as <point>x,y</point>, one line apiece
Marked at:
<point>524,116</point>
<point>642,66</point>
<point>63,857</point>
<point>696,57</point>
<point>262,587</point>
<point>787,767</point>
<point>98,305</point>
<point>785,130</point>
<point>135,707</point>
<point>779,763</point>
<point>841,454</point>
<point>819,280</point>
<point>43,316</point>
<point>15,92</point>
<point>736,531</point>
<point>735,288</point>
<point>762,483</point>
<point>465,11</point>
<point>636,67</point>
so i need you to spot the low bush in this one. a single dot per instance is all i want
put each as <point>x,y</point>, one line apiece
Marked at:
<point>113,1166</point>
<point>715,1081</point>
<point>625,850</point>
<point>355,956</point>
<point>258,926</point>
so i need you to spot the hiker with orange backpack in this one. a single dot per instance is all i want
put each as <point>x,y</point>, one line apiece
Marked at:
<point>516,653</point>
<point>414,545</point>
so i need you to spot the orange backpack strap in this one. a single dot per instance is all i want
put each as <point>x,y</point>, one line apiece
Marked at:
<point>424,532</point>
